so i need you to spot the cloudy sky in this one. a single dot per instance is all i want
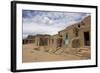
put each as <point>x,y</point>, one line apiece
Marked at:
<point>48,22</point>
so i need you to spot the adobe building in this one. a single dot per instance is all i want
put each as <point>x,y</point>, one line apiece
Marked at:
<point>42,40</point>
<point>74,36</point>
<point>29,39</point>
<point>55,42</point>
<point>77,35</point>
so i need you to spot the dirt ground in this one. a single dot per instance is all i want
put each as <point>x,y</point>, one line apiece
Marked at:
<point>32,53</point>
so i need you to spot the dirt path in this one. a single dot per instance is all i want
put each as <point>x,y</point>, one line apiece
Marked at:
<point>29,54</point>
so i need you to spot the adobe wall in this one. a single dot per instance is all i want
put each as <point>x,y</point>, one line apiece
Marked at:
<point>80,28</point>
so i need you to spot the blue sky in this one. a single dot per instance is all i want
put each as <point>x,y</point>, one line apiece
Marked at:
<point>48,22</point>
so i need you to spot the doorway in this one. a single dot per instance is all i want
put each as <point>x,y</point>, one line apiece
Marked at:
<point>86,38</point>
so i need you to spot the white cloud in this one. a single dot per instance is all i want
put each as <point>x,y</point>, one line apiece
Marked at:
<point>33,28</point>
<point>49,22</point>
